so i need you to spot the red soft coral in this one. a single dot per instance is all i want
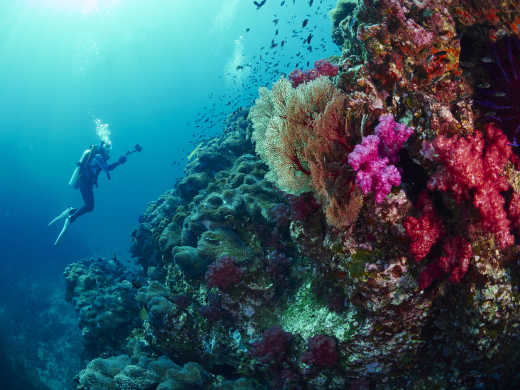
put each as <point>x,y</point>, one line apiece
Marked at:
<point>274,346</point>
<point>455,262</point>
<point>425,230</point>
<point>514,210</point>
<point>473,170</point>
<point>321,68</point>
<point>322,351</point>
<point>223,273</point>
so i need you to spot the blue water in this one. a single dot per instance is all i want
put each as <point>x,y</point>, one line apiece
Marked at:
<point>160,73</point>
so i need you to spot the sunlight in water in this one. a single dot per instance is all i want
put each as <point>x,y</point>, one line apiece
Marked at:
<point>82,6</point>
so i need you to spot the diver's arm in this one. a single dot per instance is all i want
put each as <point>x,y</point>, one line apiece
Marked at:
<point>100,161</point>
<point>113,166</point>
<point>121,160</point>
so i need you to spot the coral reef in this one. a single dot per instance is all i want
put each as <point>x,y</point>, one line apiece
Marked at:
<point>372,243</point>
<point>321,352</point>
<point>457,172</point>
<point>500,97</point>
<point>103,295</point>
<point>303,135</point>
<point>373,158</point>
<point>123,373</point>
<point>321,68</point>
<point>223,273</point>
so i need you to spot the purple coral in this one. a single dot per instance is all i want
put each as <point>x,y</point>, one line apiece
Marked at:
<point>303,206</point>
<point>223,273</point>
<point>274,346</point>
<point>373,159</point>
<point>393,134</point>
<point>321,352</point>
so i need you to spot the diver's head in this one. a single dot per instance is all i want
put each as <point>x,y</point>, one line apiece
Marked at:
<point>104,149</point>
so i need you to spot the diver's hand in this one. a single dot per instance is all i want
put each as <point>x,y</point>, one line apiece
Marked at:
<point>122,160</point>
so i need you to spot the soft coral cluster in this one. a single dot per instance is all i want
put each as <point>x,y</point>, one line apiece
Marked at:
<point>321,352</point>
<point>274,352</point>
<point>425,230</point>
<point>303,206</point>
<point>223,273</point>
<point>273,348</point>
<point>321,68</point>
<point>455,262</point>
<point>373,159</point>
<point>473,169</point>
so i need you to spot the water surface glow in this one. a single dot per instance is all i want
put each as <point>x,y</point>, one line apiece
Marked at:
<point>77,6</point>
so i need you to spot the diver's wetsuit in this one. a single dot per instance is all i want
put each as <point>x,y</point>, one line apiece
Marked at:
<point>87,180</point>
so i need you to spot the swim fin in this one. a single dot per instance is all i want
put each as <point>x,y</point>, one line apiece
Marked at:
<point>66,213</point>
<point>63,230</point>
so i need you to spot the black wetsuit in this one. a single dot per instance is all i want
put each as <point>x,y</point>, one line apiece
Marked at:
<point>86,181</point>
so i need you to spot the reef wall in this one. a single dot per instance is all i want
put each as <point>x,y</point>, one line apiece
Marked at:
<point>357,228</point>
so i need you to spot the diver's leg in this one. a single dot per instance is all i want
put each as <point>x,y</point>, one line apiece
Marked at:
<point>87,193</point>
<point>63,230</point>
<point>64,214</point>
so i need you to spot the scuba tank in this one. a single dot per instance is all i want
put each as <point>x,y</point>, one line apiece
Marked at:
<point>81,165</point>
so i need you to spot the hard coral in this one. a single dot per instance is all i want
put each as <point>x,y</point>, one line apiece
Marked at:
<point>373,157</point>
<point>223,273</point>
<point>213,310</point>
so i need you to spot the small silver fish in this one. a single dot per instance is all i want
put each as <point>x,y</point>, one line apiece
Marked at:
<point>467,64</point>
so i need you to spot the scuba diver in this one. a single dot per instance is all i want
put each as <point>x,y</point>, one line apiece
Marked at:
<point>85,176</point>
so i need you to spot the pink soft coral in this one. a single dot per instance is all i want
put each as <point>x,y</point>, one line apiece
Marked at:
<point>393,135</point>
<point>373,158</point>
